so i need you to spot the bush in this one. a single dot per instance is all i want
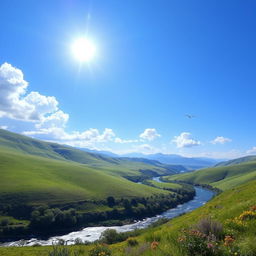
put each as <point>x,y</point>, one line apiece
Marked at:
<point>194,242</point>
<point>132,242</point>
<point>111,201</point>
<point>208,226</point>
<point>111,236</point>
<point>100,250</point>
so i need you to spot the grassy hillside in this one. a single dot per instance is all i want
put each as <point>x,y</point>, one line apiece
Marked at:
<point>163,185</point>
<point>36,179</point>
<point>40,180</point>
<point>223,177</point>
<point>224,209</point>
<point>119,166</point>
<point>237,161</point>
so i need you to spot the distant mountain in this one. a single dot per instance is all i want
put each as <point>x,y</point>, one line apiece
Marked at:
<point>172,159</point>
<point>137,157</point>
<point>102,152</point>
<point>237,161</point>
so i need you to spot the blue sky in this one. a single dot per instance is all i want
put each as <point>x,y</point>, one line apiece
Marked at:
<point>156,62</point>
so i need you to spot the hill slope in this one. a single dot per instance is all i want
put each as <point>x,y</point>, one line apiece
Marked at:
<point>223,177</point>
<point>33,179</point>
<point>125,167</point>
<point>226,206</point>
<point>237,161</point>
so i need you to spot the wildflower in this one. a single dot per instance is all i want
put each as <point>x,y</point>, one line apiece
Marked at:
<point>181,239</point>
<point>253,208</point>
<point>247,215</point>
<point>154,245</point>
<point>228,240</point>
<point>210,245</point>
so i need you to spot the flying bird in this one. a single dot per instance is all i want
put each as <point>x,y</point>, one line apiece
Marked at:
<point>190,116</point>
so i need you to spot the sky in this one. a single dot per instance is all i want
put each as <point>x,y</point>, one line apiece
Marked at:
<point>174,76</point>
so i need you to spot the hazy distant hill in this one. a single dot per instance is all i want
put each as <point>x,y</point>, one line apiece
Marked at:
<point>172,159</point>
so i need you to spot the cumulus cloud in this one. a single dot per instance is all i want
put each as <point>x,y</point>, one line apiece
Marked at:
<point>251,151</point>
<point>184,140</point>
<point>149,134</point>
<point>43,116</point>
<point>87,138</point>
<point>220,140</point>
<point>15,104</point>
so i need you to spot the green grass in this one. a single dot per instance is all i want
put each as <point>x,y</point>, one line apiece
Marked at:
<point>34,179</point>
<point>20,144</point>
<point>164,185</point>
<point>223,177</point>
<point>225,206</point>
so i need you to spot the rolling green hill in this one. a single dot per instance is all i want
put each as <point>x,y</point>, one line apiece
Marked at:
<point>222,177</point>
<point>35,171</point>
<point>237,161</point>
<point>34,179</point>
<point>125,167</point>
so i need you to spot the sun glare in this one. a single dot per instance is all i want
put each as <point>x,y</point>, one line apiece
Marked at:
<point>83,49</point>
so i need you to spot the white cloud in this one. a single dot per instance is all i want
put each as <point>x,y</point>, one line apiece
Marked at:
<point>5,127</point>
<point>15,104</point>
<point>122,141</point>
<point>184,140</point>
<point>251,151</point>
<point>149,134</point>
<point>220,140</point>
<point>87,138</point>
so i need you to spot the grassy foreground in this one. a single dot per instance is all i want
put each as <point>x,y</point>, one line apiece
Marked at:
<point>163,240</point>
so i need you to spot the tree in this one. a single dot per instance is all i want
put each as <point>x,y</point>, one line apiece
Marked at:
<point>111,201</point>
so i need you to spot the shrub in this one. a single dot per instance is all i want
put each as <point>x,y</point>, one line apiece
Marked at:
<point>208,226</point>
<point>132,242</point>
<point>100,250</point>
<point>194,242</point>
<point>111,236</point>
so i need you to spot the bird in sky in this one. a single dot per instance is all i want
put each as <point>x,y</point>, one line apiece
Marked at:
<point>190,116</point>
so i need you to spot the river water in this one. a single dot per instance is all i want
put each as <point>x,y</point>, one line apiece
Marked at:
<point>93,233</point>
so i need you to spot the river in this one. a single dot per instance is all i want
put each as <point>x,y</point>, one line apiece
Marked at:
<point>93,233</point>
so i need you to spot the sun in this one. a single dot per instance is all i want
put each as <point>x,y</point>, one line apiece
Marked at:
<point>83,49</point>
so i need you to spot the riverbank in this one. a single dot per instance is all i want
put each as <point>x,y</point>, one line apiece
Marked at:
<point>93,233</point>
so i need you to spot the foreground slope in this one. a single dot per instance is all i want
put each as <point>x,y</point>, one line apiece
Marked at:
<point>223,208</point>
